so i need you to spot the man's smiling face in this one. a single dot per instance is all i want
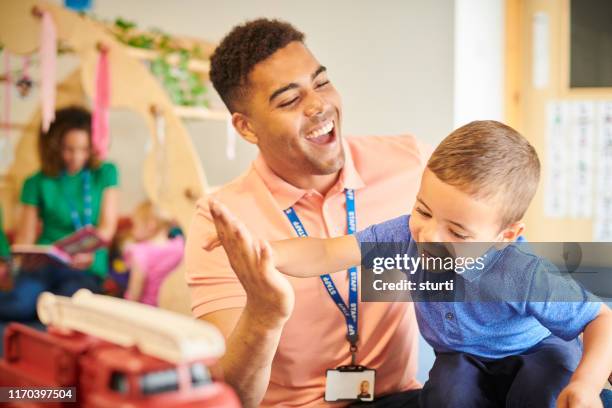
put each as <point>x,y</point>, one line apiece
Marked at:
<point>294,113</point>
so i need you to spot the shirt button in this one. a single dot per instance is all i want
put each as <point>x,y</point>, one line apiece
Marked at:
<point>449,316</point>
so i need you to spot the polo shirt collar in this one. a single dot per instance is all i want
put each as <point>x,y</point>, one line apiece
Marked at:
<point>287,195</point>
<point>488,259</point>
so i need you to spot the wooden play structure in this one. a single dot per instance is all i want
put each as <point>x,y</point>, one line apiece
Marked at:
<point>133,87</point>
<point>180,181</point>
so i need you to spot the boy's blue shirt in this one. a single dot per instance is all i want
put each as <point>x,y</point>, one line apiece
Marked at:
<point>511,322</point>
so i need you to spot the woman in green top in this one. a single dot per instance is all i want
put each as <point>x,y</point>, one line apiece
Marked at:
<point>73,189</point>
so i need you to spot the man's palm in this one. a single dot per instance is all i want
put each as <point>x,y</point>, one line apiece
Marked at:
<point>268,290</point>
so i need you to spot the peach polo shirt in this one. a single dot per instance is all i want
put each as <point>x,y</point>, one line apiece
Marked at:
<point>385,172</point>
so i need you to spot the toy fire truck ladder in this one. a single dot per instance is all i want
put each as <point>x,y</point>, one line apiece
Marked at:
<point>156,332</point>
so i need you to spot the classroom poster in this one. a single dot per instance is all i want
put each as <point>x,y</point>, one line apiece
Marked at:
<point>556,160</point>
<point>581,146</point>
<point>578,163</point>
<point>603,197</point>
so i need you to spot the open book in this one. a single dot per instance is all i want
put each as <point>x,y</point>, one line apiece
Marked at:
<point>84,240</point>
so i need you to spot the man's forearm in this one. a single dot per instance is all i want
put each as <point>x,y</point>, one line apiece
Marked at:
<point>248,359</point>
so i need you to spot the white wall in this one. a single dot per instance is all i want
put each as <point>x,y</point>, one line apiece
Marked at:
<point>479,69</point>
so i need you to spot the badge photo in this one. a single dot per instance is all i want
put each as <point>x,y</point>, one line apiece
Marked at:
<point>350,383</point>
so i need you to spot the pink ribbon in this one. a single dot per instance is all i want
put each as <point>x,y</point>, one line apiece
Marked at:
<point>48,56</point>
<point>99,133</point>
<point>7,93</point>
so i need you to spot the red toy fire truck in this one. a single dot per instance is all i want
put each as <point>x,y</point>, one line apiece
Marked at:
<point>115,353</point>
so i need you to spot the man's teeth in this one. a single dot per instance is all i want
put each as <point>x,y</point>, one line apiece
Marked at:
<point>321,131</point>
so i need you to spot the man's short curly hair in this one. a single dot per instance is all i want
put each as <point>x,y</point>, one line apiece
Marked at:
<point>244,47</point>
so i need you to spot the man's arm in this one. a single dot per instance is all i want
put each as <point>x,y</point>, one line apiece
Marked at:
<point>250,348</point>
<point>252,333</point>
<point>595,366</point>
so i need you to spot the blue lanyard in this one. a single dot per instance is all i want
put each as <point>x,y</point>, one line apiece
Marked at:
<point>350,313</point>
<point>87,211</point>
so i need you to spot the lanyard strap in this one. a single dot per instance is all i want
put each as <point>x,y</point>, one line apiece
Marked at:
<point>351,312</point>
<point>87,204</point>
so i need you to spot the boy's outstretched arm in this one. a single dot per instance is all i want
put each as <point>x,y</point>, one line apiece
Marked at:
<point>595,366</point>
<point>300,257</point>
<point>304,257</point>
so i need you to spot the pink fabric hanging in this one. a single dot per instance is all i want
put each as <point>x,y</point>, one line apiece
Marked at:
<point>6,148</point>
<point>48,56</point>
<point>7,94</point>
<point>99,132</point>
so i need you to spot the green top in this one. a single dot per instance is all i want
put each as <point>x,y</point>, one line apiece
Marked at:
<point>48,195</point>
<point>4,245</point>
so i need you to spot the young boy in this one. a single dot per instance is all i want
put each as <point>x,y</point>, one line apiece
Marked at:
<point>516,353</point>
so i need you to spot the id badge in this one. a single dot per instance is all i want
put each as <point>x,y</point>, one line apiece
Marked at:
<point>350,383</point>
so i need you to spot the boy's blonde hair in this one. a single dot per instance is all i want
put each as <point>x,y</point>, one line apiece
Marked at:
<point>149,211</point>
<point>489,160</point>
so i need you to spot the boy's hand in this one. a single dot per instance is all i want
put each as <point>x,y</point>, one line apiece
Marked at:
<point>270,296</point>
<point>577,394</point>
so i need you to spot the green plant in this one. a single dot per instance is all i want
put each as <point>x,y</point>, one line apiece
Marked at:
<point>184,87</point>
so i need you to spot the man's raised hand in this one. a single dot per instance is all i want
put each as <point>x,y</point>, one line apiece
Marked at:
<point>269,294</point>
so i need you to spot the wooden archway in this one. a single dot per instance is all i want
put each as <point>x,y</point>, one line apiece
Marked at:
<point>133,87</point>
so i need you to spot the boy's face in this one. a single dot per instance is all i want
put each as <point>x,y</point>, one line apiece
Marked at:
<point>443,213</point>
<point>143,227</point>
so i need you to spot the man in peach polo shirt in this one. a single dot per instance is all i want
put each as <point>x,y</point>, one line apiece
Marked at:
<point>284,333</point>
